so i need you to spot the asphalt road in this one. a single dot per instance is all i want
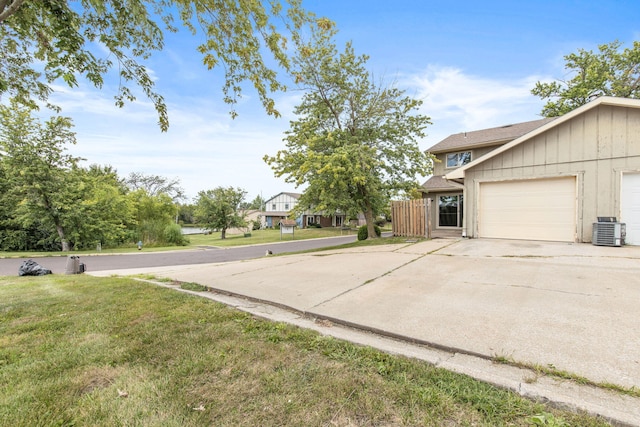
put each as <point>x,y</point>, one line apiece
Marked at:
<point>10,266</point>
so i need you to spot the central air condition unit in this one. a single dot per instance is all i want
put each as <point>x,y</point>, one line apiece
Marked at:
<point>609,233</point>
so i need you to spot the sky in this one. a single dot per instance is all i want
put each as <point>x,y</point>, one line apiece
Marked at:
<point>473,64</point>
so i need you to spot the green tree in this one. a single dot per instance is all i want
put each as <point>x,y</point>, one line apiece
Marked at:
<point>610,72</point>
<point>257,204</point>
<point>58,40</point>
<point>104,213</point>
<point>354,143</point>
<point>219,209</point>
<point>47,200</point>
<point>153,214</point>
<point>39,169</point>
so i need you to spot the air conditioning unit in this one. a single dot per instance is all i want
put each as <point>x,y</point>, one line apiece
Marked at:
<point>609,233</point>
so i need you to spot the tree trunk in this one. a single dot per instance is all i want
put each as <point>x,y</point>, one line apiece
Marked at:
<point>368,217</point>
<point>66,247</point>
<point>223,234</point>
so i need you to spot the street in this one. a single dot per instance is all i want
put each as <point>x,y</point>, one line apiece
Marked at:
<point>57,264</point>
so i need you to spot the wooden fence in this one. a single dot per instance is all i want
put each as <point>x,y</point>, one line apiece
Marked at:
<point>410,218</point>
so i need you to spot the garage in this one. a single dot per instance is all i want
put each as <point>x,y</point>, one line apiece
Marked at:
<point>535,209</point>
<point>630,207</point>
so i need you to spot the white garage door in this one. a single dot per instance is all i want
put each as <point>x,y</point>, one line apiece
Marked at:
<point>630,207</point>
<point>540,209</point>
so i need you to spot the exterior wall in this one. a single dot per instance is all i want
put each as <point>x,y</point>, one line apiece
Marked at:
<point>439,168</point>
<point>596,147</point>
<point>283,203</point>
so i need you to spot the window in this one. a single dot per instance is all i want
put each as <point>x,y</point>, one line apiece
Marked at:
<point>450,210</point>
<point>286,206</point>
<point>273,207</point>
<point>455,160</point>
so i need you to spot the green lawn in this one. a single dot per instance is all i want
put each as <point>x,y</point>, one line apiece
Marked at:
<point>266,236</point>
<point>86,351</point>
<point>257,237</point>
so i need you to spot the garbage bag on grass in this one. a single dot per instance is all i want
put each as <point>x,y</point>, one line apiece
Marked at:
<point>32,268</point>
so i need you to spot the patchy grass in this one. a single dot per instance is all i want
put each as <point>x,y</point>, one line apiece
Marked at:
<point>551,371</point>
<point>83,350</point>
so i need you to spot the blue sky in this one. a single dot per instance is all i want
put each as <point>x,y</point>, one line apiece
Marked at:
<point>472,64</point>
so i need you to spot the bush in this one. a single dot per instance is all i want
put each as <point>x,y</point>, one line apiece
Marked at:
<point>173,235</point>
<point>380,222</point>
<point>363,233</point>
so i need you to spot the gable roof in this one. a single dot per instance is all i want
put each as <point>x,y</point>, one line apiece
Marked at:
<point>603,100</point>
<point>293,195</point>
<point>438,182</point>
<point>486,137</point>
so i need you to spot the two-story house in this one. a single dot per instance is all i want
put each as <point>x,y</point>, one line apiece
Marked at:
<point>549,179</point>
<point>279,207</point>
<point>447,197</point>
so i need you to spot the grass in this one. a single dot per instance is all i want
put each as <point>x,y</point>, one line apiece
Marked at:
<point>266,236</point>
<point>257,237</point>
<point>83,350</point>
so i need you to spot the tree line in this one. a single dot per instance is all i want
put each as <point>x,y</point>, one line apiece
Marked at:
<point>48,201</point>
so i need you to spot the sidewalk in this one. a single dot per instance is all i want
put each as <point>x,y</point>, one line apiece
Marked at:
<point>464,302</point>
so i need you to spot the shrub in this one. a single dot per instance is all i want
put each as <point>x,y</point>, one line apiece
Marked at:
<point>380,222</point>
<point>363,233</point>
<point>173,235</point>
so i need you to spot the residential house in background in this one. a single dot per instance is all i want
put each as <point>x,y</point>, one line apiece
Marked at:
<point>551,182</point>
<point>280,206</point>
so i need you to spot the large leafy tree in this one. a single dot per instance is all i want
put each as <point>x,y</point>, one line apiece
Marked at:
<point>219,209</point>
<point>610,71</point>
<point>37,166</point>
<point>45,41</point>
<point>354,142</point>
<point>47,199</point>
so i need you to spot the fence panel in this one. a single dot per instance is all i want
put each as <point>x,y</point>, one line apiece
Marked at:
<point>410,218</point>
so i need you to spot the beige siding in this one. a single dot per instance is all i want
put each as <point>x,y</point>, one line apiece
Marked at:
<point>595,147</point>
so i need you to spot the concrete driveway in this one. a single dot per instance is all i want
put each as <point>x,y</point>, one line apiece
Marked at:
<point>575,307</point>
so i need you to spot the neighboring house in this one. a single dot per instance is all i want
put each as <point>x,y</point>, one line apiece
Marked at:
<point>554,181</point>
<point>279,207</point>
<point>250,216</point>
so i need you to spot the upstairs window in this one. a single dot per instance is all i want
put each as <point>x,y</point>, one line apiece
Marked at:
<point>273,207</point>
<point>455,160</point>
<point>286,206</point>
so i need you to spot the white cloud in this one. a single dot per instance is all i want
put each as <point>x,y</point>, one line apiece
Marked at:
<point>458,102</point>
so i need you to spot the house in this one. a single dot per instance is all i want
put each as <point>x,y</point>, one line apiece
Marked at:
<point>551,182</point>
<point>279,207</point>
<point>457,150</point>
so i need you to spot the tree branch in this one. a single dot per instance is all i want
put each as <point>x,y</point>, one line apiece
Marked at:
<point>8,8</point>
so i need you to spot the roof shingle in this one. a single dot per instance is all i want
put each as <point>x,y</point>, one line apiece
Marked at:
<point>485,137</point>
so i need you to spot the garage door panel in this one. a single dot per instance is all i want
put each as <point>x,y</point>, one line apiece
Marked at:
<point>630,207</point>
<point>529,209</point>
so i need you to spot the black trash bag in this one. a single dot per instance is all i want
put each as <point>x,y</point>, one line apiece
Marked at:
<point>32,268</point>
